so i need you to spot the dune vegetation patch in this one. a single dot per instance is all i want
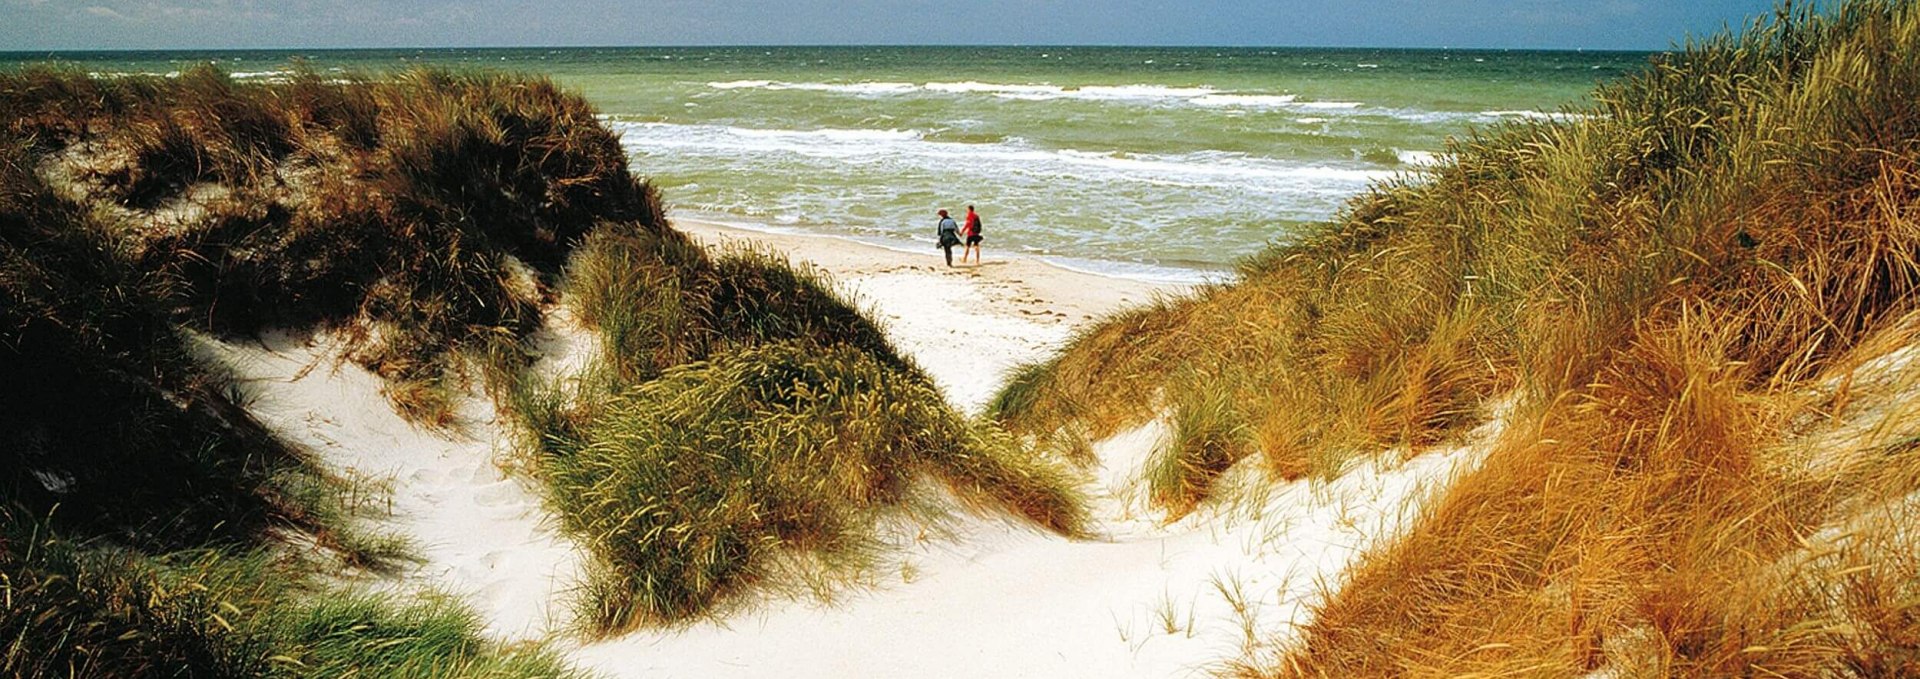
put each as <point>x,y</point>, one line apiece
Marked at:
<point>738,416</point>
<point>88,609</point>
<point>742,426</point>
<point>149,525</point>
<point>1676,290</point>
<point>425,213</point>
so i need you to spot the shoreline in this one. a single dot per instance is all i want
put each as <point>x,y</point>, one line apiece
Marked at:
<point>967,326</point>
<point>1156,274</point>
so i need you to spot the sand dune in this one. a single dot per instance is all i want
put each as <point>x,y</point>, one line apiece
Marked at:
<point>481,532</point>
<point>976,597</point>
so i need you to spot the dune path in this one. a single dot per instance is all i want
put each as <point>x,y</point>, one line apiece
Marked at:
<point>999,600</point>
<point>980,597</point>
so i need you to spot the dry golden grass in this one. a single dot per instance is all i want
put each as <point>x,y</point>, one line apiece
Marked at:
<point>1675,290</point>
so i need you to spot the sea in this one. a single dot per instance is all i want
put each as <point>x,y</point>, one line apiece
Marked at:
<point>1151,162</point>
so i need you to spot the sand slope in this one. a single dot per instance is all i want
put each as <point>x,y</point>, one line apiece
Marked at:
<point>482,533</point>
<point>1003,601</point>
<point>1008,602</point>
<point>980,598</point>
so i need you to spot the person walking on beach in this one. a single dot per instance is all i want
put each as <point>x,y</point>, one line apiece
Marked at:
<point>949,236</point>
<point>971,232</point>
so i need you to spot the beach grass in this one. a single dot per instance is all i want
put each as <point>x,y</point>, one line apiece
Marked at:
<point>428,217</point>
<point>149,525</point>
<point>425,214</point>
<point>1666,298</point>
<point>87,609</point>
<point>741,426</point>
<point>709,478</point>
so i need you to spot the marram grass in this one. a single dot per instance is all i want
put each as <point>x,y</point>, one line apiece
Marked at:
<point>149,526</point>
<point>80,609</point>
<point>726,473</point>
<point>426,213</point>
<point>1673,294</point>
<point>742,426</point>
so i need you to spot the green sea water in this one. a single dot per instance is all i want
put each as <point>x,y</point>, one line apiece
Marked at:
<point>1158,162</point>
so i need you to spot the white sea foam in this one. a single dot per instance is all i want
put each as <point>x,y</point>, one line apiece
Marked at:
<point>991,88</point>
<point>828,135</point>
<point>1246,100</point>
<point>850,88</point>
<point>1329,105</point>
<point>1150,94</point>
<point>911,148</point>
<point>1143,92</point>
<point>1418,158</point>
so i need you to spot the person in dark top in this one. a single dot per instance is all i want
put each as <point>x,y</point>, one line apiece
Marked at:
<point>971,232</point>
<point>949,233</point>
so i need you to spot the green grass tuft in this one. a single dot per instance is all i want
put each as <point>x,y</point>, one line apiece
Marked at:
<point>82,609</point>
<point>698,483</point>
<point>741,425</point>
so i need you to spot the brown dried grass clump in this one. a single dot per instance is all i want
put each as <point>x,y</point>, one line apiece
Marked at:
<point>1677,289</point>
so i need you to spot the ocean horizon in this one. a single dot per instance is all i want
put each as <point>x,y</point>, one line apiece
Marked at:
<point>1168,163</point>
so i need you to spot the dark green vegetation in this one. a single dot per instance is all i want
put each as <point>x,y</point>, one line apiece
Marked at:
<point>87,609</point>
<point>143,512</point>
<point>741,425</point>
<point>424,214</point>
<point>1676,293</point>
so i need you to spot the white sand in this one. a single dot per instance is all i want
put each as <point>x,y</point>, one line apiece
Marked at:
<point>965,325</point>
<point>1007,602</point>
<point>482,534</point>
<point>990,600</point>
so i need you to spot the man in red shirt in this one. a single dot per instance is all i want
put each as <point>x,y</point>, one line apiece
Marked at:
<point>971,232</point>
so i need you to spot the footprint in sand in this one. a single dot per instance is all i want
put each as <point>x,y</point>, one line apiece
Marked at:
<point>497,559</point>
<point>498,494</point>
<point>483,474</point>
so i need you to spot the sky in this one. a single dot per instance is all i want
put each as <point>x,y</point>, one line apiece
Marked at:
<point>35,25</point>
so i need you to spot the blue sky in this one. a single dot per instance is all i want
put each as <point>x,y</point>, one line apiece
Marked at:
<point>158,24</point>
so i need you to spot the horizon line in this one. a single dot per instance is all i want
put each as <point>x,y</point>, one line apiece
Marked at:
<point>60,50</point>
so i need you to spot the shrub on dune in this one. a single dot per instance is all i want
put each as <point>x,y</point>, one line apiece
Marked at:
<point>743,425</point>
<point>104,410</point>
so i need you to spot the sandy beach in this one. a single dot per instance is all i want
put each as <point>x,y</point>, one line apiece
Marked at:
<point>966,325</point>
